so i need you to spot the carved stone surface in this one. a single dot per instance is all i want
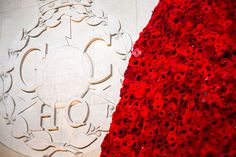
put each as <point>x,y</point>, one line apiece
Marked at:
<point>60,85</point>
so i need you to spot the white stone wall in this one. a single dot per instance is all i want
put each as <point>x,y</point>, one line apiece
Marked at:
<point>74,68</point>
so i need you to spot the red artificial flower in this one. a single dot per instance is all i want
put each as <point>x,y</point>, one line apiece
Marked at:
<point>179,93</point>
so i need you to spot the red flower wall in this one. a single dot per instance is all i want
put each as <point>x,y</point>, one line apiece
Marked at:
<point>179,93</point>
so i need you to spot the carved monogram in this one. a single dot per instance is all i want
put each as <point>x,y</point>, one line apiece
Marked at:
<point>67,103</point>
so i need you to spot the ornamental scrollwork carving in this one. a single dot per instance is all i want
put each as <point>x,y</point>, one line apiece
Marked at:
<point>56,110</point>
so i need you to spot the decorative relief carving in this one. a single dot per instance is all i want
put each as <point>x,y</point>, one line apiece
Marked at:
<point>56,109</point>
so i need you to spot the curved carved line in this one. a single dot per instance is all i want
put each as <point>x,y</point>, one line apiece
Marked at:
<point>61,6</point>
<point>90,60</point>
<point>34,27</point>
<point>10,70</point>
<point>78,21</point>
<point>35,36</point>
<point>29,91</point>
<point>50,136</point>
<point>97,81</point>
<point>92,80</point>
<point>86,48</point>
<point>14,106</point>
<point>23,59</point>
<point>3,81</point>
<point>52,152</point>
<point>47,4</point>
<point>26,43</point>
<point>92,41</point>
<point>84,146</point>
<point>95,24</point>
<point>55,25</point>
<point>3,86</point>
<point>10,84</point>
<point>27,125</point>
<point>74,102</point>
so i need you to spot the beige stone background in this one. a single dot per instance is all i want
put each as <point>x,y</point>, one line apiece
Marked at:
<point>17,14</point>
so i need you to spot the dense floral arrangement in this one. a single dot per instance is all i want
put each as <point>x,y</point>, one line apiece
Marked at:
<point>179,93</point>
